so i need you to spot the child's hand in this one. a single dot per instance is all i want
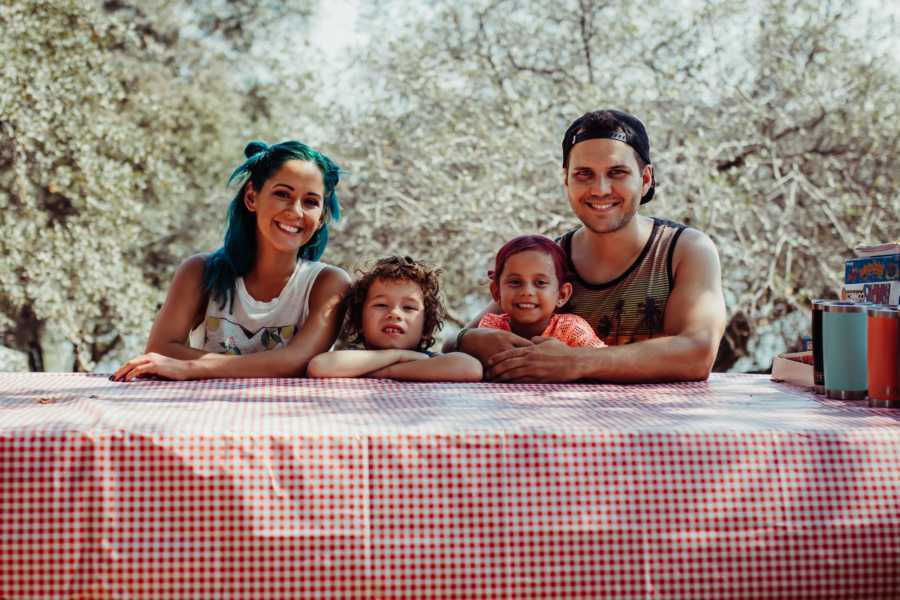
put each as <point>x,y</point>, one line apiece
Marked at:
<point>401,356</point>
<point>409,356</point>
<point>485,343</point>
<point>548,359</point>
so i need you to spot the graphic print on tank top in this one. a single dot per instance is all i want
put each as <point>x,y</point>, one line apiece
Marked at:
<point>231,336</point>
<point>629,308</point>
<point>247,325</point>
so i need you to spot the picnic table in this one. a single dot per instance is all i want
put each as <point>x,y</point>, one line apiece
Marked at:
<point>738,487</point>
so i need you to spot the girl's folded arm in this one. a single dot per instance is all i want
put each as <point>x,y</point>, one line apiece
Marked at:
<point>356,363</point>
<point>455,366</point>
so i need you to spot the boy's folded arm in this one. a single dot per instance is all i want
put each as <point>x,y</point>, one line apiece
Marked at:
<point>455,366</point>
<point>356,363</point>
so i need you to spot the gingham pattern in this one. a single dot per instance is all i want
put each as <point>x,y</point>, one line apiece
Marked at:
<point>735,488</point>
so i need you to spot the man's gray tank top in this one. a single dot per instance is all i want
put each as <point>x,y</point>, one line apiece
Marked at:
<point>629,308</point>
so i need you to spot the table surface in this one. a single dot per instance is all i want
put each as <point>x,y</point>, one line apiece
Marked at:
<point>66,402</point>
<point>735,487</point>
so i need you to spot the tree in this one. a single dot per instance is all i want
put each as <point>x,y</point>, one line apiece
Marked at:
<point>117,131</point>
<point>773,130</point>
<point>808,151</point>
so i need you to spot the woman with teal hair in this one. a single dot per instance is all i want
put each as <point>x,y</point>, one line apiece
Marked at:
<point>262,305</point>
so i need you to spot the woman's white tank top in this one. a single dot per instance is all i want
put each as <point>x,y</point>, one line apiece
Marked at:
<point>255,326</point>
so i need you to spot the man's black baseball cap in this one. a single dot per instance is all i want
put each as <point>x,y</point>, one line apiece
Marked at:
<point>610,124</point>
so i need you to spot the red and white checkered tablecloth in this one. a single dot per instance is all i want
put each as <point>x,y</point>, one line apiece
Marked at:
<point>734,488</point>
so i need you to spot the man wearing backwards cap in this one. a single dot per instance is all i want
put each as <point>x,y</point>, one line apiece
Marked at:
<point>651,288</point>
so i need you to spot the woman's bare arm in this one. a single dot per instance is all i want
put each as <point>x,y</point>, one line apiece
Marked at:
<point>180,313</point>
<point>314,337</point>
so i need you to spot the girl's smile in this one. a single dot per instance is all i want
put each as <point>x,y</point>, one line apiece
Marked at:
<point>529,292</point>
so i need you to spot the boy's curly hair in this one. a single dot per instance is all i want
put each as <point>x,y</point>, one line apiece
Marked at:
<point>395,268</point>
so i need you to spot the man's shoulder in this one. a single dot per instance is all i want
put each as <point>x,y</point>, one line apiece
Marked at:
<point>689,238</point>
<point>564,238</point>
<point>694,240</point>
<point>694,249</point>
<point>668,224</point>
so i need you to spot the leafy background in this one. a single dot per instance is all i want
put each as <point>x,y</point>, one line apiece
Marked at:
<point>774,129</point>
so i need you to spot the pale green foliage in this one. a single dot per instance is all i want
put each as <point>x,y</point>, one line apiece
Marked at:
<point>798,163</point>
<point>773,131</point>
<point>116,136</point>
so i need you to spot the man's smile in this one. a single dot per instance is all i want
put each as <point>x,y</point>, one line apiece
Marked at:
<point>602,205</point>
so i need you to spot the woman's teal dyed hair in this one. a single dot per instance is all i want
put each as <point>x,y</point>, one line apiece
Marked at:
<point>237,255</point>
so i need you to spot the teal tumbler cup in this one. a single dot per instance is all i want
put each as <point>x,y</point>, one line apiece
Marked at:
<point>844,346</point>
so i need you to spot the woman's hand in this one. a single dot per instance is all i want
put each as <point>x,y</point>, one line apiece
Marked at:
<point>155,364</point>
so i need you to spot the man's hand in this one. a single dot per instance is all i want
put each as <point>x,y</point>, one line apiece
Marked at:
<point>547,360</point>
<point>484,343</point>
<point>155,364</point>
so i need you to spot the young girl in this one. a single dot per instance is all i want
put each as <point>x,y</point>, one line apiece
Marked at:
<point>392,314</point>
<point>261,305</point>
<point>529,283</point>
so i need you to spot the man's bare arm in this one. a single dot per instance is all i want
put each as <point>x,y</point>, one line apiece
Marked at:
<point>693,325</point>
<point>315,336</point>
